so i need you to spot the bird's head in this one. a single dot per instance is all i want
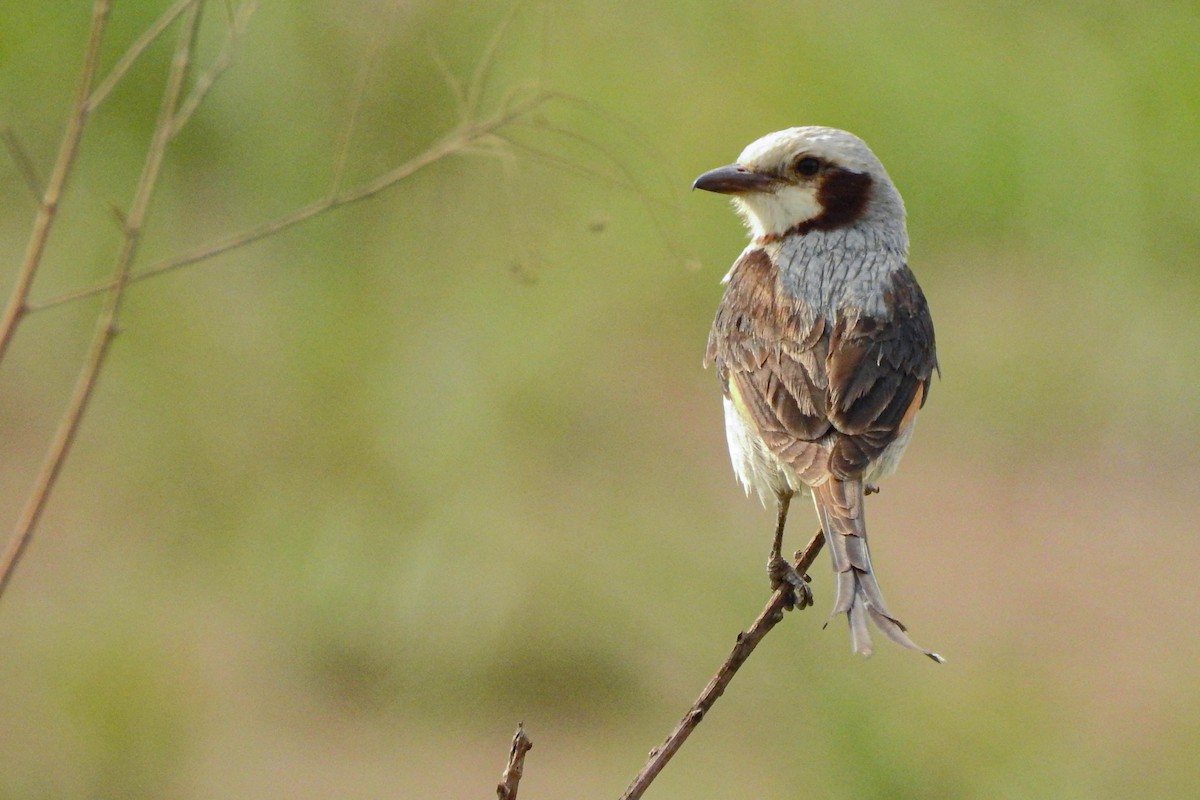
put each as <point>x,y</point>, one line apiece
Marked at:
<point>803,179</point>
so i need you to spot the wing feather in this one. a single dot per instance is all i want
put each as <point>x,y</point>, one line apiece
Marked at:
<point>846,387</point>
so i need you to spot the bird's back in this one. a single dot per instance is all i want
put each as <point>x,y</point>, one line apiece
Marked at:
<point>825,346</point>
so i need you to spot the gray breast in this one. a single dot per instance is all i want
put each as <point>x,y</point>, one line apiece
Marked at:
<point>845,269</point>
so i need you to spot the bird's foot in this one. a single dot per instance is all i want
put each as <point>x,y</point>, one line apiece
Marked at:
<point>784,576</point>
<point>870,488</point>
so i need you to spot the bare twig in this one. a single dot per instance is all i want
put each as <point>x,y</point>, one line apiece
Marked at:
<point>621,181</point>
<point>475,89</point>
<point>107,322</point>
<point>641,143</point>
<point>23,162</point>
<point>511,779</point>
<point>238,22</point>
<point>453,84</point>
<point>360,91</point>
<point>48,210</point>
<point>454,143</point>
<point>746,642</point>
<point>135,50</point>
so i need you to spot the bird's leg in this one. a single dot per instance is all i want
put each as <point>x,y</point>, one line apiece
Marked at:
<point>784,502</point>
<point>782,573</point>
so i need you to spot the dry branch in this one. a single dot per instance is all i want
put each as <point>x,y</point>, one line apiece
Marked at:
<point>24,164</point>
<point>238,23</point>
<point>455,142</point>
<point>107,322</point>
<point>176,111</point>
<point>745,645</point>
<point>48,210</point>
<point>135,50</point>
<point>510,780</point>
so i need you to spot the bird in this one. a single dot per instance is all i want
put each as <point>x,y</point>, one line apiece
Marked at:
<point>824,347</point>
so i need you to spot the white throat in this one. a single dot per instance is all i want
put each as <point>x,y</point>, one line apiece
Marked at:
<point>773,213</point>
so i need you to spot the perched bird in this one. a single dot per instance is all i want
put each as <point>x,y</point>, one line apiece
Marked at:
<point>824,347</point>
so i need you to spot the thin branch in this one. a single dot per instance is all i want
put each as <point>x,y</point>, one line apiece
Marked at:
<point>746,642</point>
<point>474,92</point>
<point>108,321</point>
<point>510,780</point>
<point>17,306</point>
<point>611,156</point>
<point>453,84</point>
<point>452,144</point>
<point>238,23</point>
<point>370,58</point>
<point>24,164</point>
<point>642,143</point>
<point>626,179</point>
<point>564,163</point>
<point>135,50</point>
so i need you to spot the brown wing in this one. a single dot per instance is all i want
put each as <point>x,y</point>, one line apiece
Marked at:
<point>878,373</point>
<point>821,396</point>
<point>770,352</point>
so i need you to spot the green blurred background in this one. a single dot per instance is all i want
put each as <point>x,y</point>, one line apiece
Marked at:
<point>353,501</point>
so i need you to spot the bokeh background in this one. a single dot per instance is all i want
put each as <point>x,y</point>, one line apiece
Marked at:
<point>353,501</point>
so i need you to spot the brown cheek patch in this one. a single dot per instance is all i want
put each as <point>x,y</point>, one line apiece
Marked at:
<point>843,196</point>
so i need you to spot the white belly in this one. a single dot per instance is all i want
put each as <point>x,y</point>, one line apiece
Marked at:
<point>756,467</point>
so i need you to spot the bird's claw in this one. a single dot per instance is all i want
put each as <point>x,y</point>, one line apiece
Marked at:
<point>784,576</point>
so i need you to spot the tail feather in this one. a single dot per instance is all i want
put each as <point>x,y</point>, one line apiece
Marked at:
<point>840,508</point>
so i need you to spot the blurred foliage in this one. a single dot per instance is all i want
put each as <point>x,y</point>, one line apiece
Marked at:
<point>354,500</point>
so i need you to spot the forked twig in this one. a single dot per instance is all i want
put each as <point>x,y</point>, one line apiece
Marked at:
<point>511,779</point>
<point>369,60</point>
<point>107,322</point>
<point>746,642</point>
<point>475,88</point>
<point>135,50</point>
<point>175,111</point>
<point>455,142</point>
<point>239,21</point>
<point>23,162</point>
<point>48,209</point>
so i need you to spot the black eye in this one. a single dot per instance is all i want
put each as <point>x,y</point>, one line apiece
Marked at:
<point>808,166</point>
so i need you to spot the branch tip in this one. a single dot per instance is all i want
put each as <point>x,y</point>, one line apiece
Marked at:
<point>510,780</point>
